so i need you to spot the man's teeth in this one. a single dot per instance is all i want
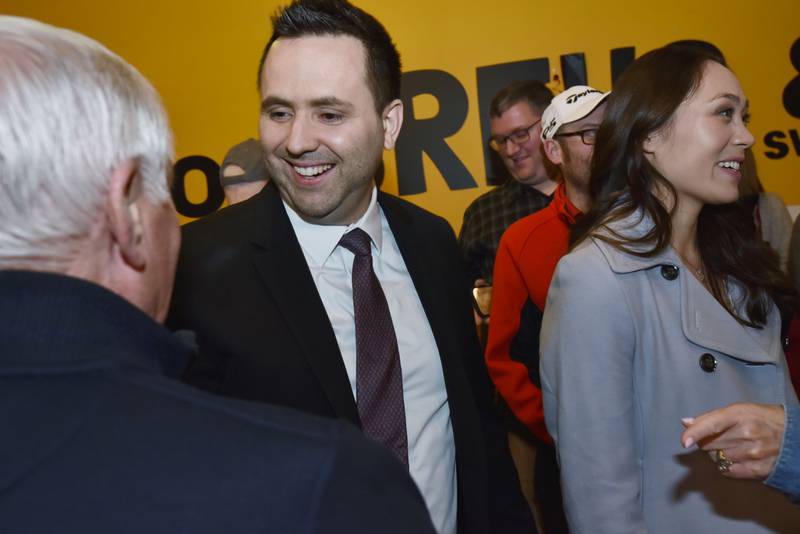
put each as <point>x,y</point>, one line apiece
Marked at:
<point>730,164</point>
<point>312,171</point>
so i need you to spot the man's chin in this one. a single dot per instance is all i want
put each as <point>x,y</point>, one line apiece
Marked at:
<point>524,179</point>
<point>310,209</point>
<point>523,174</point>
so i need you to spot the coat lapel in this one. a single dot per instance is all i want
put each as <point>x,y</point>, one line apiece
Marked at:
<point>705,322</point>
<point>416,258</point>
<point>282,267</point>
<point>424,268</point>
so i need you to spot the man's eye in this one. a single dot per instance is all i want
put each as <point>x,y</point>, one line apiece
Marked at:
<point>331,117</point>
<point>279,115</point>
<point>520,136</point>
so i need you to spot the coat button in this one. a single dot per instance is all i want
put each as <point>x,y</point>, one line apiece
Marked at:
<point>669,272</point>
<point>708,363</point>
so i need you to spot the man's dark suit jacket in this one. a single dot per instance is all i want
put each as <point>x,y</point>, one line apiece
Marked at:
<point>96,438</point>
<point>244,286</point>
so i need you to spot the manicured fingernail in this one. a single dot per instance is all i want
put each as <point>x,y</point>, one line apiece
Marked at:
<point>688,442</point>
<point>687,421</point>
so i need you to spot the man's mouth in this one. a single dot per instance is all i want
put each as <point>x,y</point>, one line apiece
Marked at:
<point>312,172</point>
<point>519,156</point>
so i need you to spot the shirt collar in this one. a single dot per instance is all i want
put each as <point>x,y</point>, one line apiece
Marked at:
<point>566,209</point>
<point>514,190</point>
<point>320,241</point>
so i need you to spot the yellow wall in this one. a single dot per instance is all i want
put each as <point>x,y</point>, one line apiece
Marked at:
<point>202,56</point>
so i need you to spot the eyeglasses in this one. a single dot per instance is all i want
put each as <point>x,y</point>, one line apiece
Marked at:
<point>523,135</point>
<point>587,136</point>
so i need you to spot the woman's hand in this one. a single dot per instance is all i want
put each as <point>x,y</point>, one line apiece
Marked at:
<point>749,436</point>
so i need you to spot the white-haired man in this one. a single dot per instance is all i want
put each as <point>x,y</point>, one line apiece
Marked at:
<point>96,436</point>
<point>526,259</point>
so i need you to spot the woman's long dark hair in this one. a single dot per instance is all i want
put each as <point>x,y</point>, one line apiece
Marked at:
<point>624,183</point>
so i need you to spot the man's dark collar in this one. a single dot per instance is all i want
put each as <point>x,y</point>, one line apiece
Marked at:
<point>50,323</point>
<point>514,190</point>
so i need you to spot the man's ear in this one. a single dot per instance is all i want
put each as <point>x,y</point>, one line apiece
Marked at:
<point>553,151</point>
<point>392,121</point>
<point>124,217</point>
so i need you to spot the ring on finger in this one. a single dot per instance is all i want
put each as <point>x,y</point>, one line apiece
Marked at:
<point>723,462</point>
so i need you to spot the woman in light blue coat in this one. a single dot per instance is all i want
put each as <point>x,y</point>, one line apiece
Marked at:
<point>667,306</point>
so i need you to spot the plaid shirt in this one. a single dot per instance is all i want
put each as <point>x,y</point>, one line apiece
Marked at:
<point>487,218</point>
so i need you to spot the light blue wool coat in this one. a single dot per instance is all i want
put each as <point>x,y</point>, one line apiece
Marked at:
<point>622,342</point>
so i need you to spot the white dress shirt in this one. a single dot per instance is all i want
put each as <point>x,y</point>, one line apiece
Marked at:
<point>431,449</point>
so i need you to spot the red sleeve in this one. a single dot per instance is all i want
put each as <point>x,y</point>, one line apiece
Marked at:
<point>510,377</point>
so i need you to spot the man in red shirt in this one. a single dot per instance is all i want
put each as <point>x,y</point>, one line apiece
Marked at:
<point>526,259</point>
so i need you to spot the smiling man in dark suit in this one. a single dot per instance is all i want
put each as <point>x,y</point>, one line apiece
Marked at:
<point>327,295</point>
<point>98,434</point>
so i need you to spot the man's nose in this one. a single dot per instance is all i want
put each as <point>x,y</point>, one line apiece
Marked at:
<point>510,148</point>
<point>302,137</point>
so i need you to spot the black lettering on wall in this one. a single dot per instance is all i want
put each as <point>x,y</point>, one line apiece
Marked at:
<point>772,141</point>
<point>216,195</point>
<point>573,69</point>
<point>428,135</point>
<point>620,59</point>
<point>791,94</point>
<point>490,79</point>
<point>795,141</point>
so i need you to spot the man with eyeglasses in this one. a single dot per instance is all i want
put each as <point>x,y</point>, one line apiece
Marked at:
<point>526,259</point>
<point>515,115</point>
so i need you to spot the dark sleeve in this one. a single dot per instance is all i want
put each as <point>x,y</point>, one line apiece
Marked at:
<point>194,307</point>
<point>525,346</point>
<point>369,491</point>
<point>468,244</point>
<point>508,511</point>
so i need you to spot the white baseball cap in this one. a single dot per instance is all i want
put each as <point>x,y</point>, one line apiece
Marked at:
<point>570,106</point>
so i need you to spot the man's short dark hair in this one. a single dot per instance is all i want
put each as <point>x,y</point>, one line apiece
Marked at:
<point>534,92</point>
<point>337,17</point>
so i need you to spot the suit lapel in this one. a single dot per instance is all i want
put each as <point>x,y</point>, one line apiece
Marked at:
<point>422,265</point>
<point>283,270</point>
<point>429,265</point>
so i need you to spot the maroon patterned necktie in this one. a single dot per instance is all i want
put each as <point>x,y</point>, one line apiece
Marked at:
<point>379,379</point>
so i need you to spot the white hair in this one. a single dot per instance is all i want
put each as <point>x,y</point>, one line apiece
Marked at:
<point>71,111</point>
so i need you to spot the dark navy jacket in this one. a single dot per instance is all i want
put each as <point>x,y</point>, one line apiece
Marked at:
<point>94,437</point>
<point>244,286</point>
